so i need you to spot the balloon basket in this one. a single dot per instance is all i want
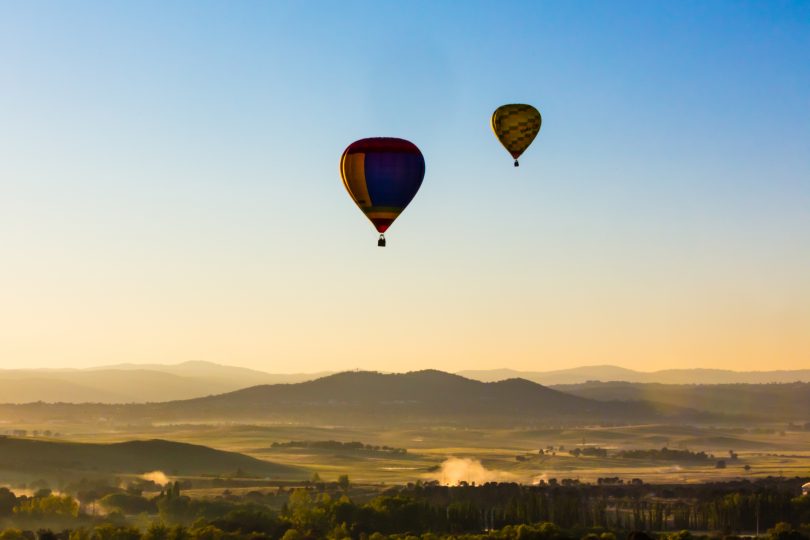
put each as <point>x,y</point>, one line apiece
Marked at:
<point>381,241</point>
<point>517,164</point>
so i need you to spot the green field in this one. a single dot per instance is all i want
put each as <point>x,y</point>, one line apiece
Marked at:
<point>505,454</point>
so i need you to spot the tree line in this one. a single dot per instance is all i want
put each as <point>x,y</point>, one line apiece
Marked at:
<point>338,445</point>
<point>423,511</point>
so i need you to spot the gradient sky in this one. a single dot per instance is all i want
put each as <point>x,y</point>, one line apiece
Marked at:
<point>169,185</point>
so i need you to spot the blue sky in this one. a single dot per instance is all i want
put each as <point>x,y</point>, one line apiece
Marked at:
<point>169,184</point>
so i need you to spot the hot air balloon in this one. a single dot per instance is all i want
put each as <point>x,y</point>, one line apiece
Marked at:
<point>516,126</point>
<point>382,175</point>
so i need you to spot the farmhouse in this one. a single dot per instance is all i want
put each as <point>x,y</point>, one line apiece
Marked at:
<point>806,489</point>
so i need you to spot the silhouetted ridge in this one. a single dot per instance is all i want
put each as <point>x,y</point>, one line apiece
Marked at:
<point>427,395</point>
<point>368,397</point>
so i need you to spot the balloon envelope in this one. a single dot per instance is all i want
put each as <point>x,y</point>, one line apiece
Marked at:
<point>382,175</point>
<point>516,125</point>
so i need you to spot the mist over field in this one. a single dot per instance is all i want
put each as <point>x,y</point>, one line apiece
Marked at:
<point>415,270</point>
<point>285,449</point>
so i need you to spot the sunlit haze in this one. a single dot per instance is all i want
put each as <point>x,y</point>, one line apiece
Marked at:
<point>169,185</point>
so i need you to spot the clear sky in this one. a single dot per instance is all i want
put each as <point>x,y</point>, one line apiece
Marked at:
<point>169,185</point>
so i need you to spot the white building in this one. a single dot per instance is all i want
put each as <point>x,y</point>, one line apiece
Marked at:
<point>806,489</point>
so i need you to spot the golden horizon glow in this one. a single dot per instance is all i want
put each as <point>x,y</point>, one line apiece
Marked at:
<point>178,197</point>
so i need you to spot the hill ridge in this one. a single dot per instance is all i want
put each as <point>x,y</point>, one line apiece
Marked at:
<point>135,456</point>
<point>357,397</point>
<point>612,373</point>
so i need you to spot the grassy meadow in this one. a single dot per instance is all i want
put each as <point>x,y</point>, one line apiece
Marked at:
<point>503,454</point>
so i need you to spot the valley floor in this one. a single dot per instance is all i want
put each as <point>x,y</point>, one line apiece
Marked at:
<point>450,454</point>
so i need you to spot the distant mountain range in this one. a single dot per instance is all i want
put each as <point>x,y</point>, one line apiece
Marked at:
<point>133,383</point>
<point>351,398</point>
<point>144,383</point>
<point>608,373</point>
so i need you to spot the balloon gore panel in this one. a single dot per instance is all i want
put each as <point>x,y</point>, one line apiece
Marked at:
<point>392,178</point>
<point>516,126</point>
<point>382,175</point>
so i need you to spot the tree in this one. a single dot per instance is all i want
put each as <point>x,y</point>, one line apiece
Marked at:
<point>250,520</point>
<point>343,482</point>
<point>178,532</point>
<point>12,534</point>
<point>309,513</point>
<point>111,532</point>
<point>127,503</point>
<point>783,531</point>
<point>157,531</point>
<point>208,532</point>
<point>50,506</point>
<point>7,501</point>
<point>80,534</point>
<point>175,510</point>
<point>340,532</point>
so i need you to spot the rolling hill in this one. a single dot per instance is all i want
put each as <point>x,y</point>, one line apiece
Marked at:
<point>370,397</point>
<point>132,457</point>
<point>415,397</point>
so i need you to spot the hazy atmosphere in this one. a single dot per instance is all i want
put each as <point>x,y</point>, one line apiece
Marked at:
<point>169,186</point>
<point>404,270</point>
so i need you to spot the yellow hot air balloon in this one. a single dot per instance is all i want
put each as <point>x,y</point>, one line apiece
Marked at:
<point>516,125</point>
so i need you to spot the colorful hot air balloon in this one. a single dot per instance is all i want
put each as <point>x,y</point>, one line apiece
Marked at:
<point>516,126</point>
<point>382,175</point>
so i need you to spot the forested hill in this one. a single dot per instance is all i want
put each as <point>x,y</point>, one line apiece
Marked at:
<point>133,457</point>
<point>419,396</point>
<point>370,397</point>
<point>410,394</point>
